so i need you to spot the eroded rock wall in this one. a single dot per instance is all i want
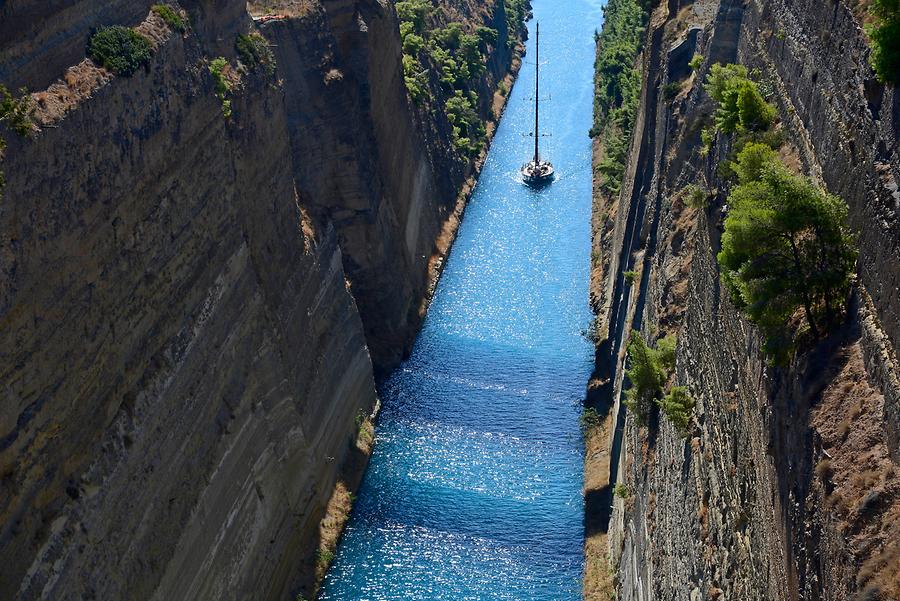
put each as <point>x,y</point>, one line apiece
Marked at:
<point>188,298</point>
<point>363,161</point>
<point>784,487</point>
<point>182,361</point>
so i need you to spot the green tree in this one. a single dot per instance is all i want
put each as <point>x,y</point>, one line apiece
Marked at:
<point>486,35</point>
<point>648,372</point>
<point>254,52</point>
<point>786,246</point>
<point>678,405</point>
<point>119,49</point>
<point>415,12</point>
<point>885,37</point>
<point>617,86</point>
<point>741,106</point>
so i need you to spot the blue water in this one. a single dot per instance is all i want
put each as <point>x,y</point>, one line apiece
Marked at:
<point>474,491</point>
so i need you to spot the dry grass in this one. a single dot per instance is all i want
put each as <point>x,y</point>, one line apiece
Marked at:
<point>287,8</point>
<point>340,504</point>
<point>865,492</point>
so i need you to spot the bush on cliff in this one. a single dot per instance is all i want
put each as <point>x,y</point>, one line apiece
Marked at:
<point>254,52</point>
<point>468,130</point>
<point>516,11</point>
<point>678,405</point>
<point>172,17</point>
<point>786,247</point>
<point>119,49</point>
<point>885,37</point>
<point>457,56</point>
<point>648,371</point>
<point>15,113</point>
<point>741,106</point>
<point>414,12</point>
<point>223,85</point>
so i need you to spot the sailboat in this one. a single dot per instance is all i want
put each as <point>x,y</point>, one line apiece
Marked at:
<point>537,171</point>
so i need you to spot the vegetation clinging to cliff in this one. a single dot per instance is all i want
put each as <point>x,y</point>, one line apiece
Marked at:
<point>741,107</point>
<point>885,36</point>
<point>119,49</point>
<point>617,85</point>
<point>217,68</point>
<point>172,17</point>
<point>516,12</point>
<point>786,246</point>
<point>15,113</point>
<point>457,55</point>
<point>254,52</point>
<point>648,371</point>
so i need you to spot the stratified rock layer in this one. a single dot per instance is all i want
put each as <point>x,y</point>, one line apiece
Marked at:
<point>785,486</point>
<point>186,297</point>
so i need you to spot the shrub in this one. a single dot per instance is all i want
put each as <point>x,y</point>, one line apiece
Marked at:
<point>468,130</point>
<point>119,49</point>
<point>694,196</point>
<point>648,372</point>
<point>824,470</point>
<point>786,246</point>
<point>415,12</point>
<point>171,16</point>
<point>678,405</point>
<point>741,106</point>
<point>516,11</point>
<point>630,276</point>
<point>324,556</point>
<point>707,137</point>
<point>696,62</point>
<point>223,85</point>
<point>254,52</point>
<point>589,420</point>
<point>621,491</point>
<point>16,114</point>
<point>885,37</point>
<point>671,90</point>
<point>486,35</point>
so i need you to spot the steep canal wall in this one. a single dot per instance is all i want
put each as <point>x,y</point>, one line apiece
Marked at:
<point>785,485</point>
<point>193,280</point>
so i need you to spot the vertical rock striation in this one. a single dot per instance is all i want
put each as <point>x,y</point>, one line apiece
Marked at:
<point>784,487</point>
<point>360,159</point>
<point>188,300</point>
<point>182,361</point>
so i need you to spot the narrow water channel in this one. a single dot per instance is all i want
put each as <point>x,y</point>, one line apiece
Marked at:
<point>474,489</point>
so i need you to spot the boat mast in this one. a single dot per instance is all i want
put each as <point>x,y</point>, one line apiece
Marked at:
<point>537,84</point>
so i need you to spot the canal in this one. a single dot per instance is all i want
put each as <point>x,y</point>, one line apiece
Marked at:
<point>474,491</point>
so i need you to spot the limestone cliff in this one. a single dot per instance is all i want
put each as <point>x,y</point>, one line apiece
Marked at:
<point>368,161</point>
<point>188,296</point>
<point>785,487</point>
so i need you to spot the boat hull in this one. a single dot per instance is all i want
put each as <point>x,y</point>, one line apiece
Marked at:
<point>538,173</point>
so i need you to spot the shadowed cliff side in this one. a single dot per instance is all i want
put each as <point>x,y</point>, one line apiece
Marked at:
<point>194,259</point>
<point>365,159</point>
<point>182,362</point>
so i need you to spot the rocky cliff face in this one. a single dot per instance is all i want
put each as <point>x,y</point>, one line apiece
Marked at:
<point>360,158</point>
<point>785,487</point>
<point>186,298</point>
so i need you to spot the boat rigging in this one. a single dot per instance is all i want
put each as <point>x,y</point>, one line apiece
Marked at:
<point>537,171</point>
